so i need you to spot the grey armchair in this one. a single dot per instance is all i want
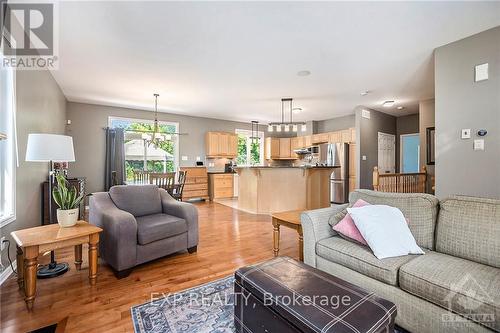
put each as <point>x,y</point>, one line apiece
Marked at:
<point>141,223</point>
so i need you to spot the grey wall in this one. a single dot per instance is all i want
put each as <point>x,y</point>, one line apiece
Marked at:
<point>368,141</point>
<point>404,125</point>
<point>41,108</point>
<point>335,124</point>
<point>426,119</point>
<point>87,125</point>
<point>463,103</point>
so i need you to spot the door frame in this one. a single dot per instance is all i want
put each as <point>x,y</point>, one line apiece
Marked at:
<point>401,136</point>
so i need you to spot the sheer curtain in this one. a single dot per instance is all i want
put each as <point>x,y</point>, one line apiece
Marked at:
<point>115,157</point>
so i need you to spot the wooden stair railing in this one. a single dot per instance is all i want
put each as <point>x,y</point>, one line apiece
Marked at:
<point>400,182</point>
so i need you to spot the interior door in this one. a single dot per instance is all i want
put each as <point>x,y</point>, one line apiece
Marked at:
<point>386,153</point>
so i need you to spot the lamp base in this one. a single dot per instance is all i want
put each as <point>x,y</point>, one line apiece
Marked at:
<point>52,270</point>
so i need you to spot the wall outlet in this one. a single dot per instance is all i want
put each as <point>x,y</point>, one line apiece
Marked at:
<point>481,72</point>
<point>198,158</point>
<point>466,133</point>
<point>184,158</point>
<point>2,244</point>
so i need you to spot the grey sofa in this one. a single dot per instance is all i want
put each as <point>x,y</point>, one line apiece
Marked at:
<point>141,223</point>
<point>454,287</point>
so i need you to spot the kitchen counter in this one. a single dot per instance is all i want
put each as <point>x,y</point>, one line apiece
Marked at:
<point>266,190</point>
<point>288,167</point>
<point>220,173</point>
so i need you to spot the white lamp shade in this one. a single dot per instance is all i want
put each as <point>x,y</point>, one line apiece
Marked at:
<point>50,147</point>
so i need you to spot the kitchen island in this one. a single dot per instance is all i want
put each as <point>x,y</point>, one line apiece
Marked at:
<point>267,190</point>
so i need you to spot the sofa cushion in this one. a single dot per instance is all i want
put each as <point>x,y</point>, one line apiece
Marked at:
<point>138,200</point>
<point>470,228</point>
<point>419,209</point>
<point>154,227</point>
<point>462,286</point>
<point>361,259</point>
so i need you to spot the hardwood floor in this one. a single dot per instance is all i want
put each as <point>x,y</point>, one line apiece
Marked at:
<point>229,238</point>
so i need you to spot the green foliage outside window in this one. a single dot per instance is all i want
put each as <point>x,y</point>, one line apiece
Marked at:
<point>243,157</point>
<point>153,166</point>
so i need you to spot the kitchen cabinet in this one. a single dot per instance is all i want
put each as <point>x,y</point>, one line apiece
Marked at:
<point>196,185</point>
<point>285,148</point>
<point>320,138</point>
<point>278,149</point>
<point>335,137</point>
<point>352,167</point>
<point>221,144</point>
<point>271,148</point>
<point>294,144</point>
<point>220,185</point>
<point>353,135</point>
<point>346,135</point>
<point>307,141</point>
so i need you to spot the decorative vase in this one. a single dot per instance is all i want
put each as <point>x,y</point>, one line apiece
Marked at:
<point>67,218</point>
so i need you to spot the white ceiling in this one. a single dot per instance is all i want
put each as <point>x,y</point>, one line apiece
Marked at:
<point>235,60</point>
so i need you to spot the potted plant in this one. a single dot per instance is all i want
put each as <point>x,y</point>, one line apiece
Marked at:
<point>68,202</point>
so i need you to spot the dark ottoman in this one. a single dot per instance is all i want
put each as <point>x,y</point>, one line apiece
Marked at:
<point>284,295</point>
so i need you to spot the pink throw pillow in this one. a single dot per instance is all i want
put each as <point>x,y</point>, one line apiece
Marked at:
<point>347,227</point>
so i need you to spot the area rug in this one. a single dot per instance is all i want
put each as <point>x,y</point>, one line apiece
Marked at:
<point>203,309</point>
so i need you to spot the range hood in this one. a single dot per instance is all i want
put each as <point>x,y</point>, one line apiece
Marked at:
<point>302,151</point>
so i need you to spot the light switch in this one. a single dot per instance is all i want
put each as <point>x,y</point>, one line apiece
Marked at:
<point>466,133</point>
<point>479,144</point>
<point>481,72</point>
<point>364,157</point>
<point>198,158</point>
<point>184,158</point>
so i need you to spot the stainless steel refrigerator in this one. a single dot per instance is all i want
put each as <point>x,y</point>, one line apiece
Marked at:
<point>337,154</point>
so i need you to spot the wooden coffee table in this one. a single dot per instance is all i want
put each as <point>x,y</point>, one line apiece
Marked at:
<point>30,242</point>
<point>289,219</point>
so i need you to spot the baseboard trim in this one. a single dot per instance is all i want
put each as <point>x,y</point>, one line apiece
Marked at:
<point>6,273</point>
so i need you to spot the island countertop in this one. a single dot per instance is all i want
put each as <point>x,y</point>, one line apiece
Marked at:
<point>288,167</point>
<point>271,189</point>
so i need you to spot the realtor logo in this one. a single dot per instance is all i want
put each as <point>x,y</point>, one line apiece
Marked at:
<point>29,35</point>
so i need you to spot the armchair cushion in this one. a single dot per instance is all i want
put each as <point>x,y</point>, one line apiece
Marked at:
<point>151,228</point>
<point>138,200</point>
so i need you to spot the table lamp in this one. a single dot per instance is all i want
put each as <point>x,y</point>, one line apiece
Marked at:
<point>50,148</point>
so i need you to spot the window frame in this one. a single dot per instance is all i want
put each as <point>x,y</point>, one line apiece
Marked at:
<point>12,216</point>
<point>248,133</point>
<point>160,122</point>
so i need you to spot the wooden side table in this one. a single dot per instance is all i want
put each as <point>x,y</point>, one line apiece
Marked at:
<point>289,219</point>
<point>30,242</point>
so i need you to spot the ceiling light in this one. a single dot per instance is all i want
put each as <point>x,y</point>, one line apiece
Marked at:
<point>400,107</point>
<point>287,126</point>
<point>364,93</point>
<point>294,128</point>
<point>303,73</point>
<point>270,128</point>
<point>303,128</point>
<point>388,104</point>
<point>296,110</point>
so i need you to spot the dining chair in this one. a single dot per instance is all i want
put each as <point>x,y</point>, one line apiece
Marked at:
<point>141,177</point>
<point>165,181</point>
<point>179,187</point>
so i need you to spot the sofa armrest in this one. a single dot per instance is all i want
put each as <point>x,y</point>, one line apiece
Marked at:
<point>118,240</point>
<point>315,227</point>
<point>184,210</point>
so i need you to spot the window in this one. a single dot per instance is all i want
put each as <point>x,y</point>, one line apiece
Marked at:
<point>250,150</point>
<point>8,151</point>
<point>140,156</point>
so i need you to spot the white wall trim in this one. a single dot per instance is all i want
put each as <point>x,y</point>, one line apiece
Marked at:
<point>7,272</point>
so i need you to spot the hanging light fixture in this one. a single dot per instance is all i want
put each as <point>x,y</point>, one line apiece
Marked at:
<point>155,138</point>
<point>286,124</point>
<point>254,138</point>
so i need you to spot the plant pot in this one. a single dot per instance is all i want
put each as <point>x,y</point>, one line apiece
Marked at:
<point>67,218</point>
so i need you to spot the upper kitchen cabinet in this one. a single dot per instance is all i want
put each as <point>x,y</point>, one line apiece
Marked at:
<point>221,144</point>
<point>320,138</point>
<point>307,140</point>
<point>278,149</point>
